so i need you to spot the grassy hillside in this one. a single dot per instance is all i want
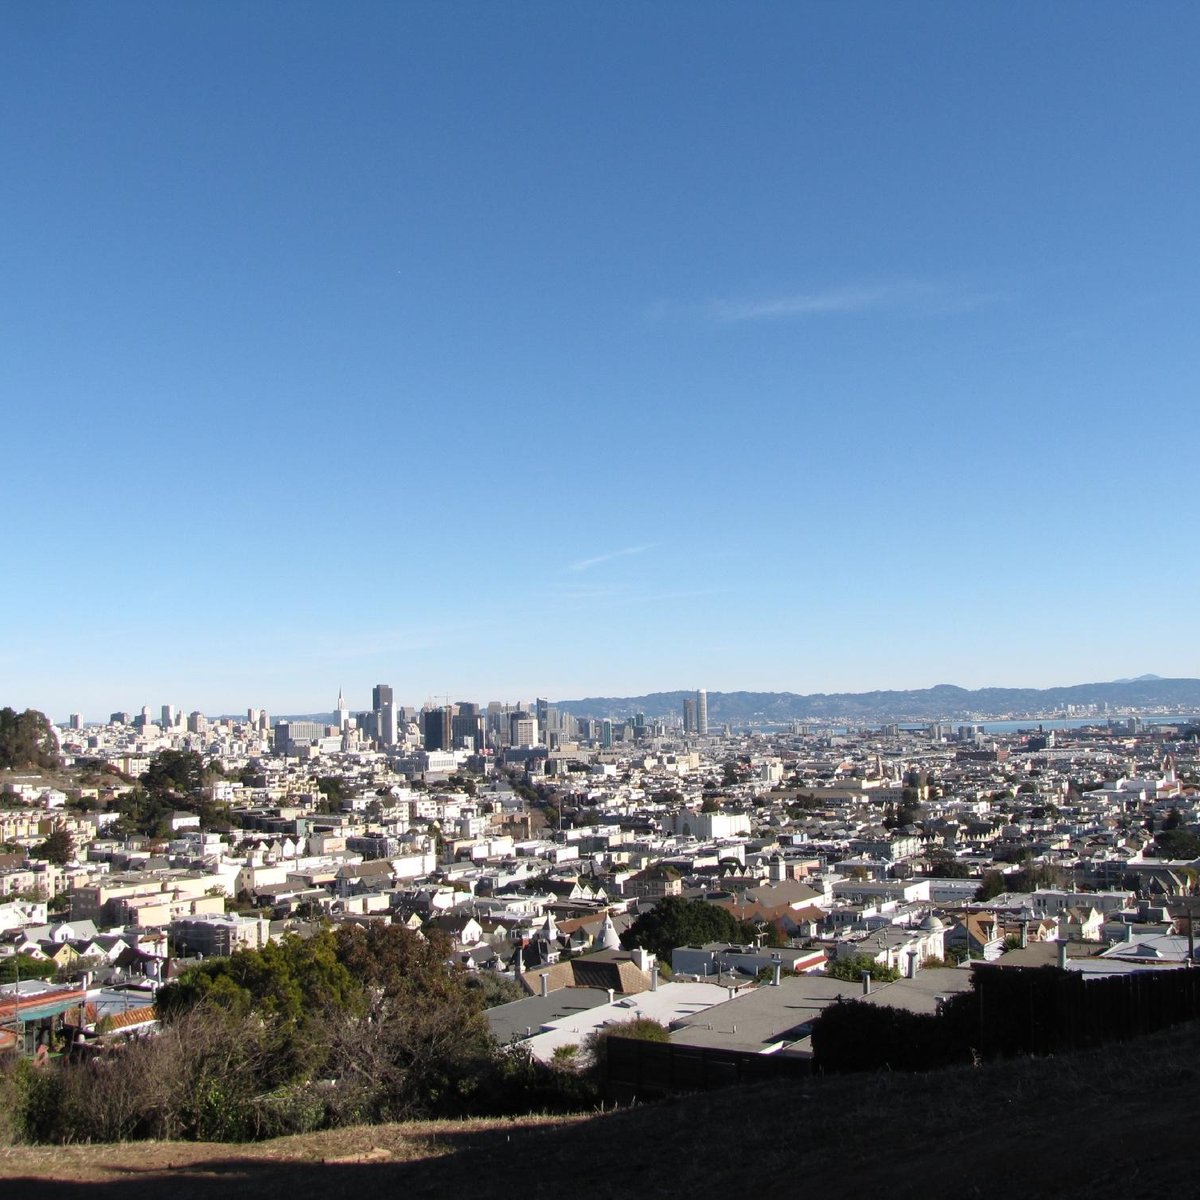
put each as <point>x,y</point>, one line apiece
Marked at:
<point>1117,1123</point>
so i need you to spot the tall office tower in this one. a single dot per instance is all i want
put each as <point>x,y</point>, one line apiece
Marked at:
<point>343,717</point>
<point>197,722</point>
<point>541,710</point>
<point>467,726</point>
<point>383,702</point>
<point>522,729</point>
<point>264,721</point>
<point>702,712</point>
<point>389,724</point>
<point>118,718</point>
<point>168,716</point>
<point>606,736</point>
<point>439,734</point>
<point>689,715</point>
<point>76,721</point>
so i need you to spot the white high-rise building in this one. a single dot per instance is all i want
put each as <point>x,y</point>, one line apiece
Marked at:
<point>702,712</point>
<point>342,715</point>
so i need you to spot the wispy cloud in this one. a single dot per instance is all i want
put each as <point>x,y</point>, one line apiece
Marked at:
<point>586,564</point>
<point>918,297</point>
<point>830,302</point>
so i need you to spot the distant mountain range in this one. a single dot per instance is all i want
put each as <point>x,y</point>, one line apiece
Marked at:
<point>943,702</point>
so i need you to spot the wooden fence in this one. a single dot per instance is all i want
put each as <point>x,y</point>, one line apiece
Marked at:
<point>650,1069</point>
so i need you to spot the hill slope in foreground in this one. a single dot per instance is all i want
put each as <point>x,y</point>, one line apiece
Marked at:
<point>1115,1123</point>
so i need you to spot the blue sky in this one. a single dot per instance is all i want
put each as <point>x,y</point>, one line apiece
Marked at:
<point>502,350</point>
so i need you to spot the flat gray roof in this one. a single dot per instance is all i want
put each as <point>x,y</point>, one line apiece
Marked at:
<point>513,1020</point>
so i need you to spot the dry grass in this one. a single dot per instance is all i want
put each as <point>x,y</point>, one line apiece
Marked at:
<point>1105,1124</point>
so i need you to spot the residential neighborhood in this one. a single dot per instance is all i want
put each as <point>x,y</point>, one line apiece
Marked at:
<point>850,861</point>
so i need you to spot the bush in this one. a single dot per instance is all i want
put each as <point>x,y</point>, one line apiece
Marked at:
<point>201,1078</point>
<point>851,1035</point>
<point>595,1045</point>
<point>851,968</point>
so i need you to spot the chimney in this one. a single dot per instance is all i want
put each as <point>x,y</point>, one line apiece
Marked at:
<point>911,971</point>
<point>1024,934</point>
<point>1129,931</point>
<point>611,995</point>
<point>776,969</point>
<point>866,983</point>
<point>1062,956</point>
<point>545,983</point>
<point>654,978</point>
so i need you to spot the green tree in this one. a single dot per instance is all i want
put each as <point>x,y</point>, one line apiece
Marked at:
<point>175,773</point>
<point>141,812</point>
<point>287,982</point>
<point>333,787</point>
<point>674,921</point>
<point>25,966</point>
<point>1177,843</point>
<point>27,740</point>
<point>59,846</point>
<point>947,868</point>
<point>994,884</point>
<point>494,989</point>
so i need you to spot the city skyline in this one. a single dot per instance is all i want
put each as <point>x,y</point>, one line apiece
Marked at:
<point>540,351</point>
<point>687,708</point>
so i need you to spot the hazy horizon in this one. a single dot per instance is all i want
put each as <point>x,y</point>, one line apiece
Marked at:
<point>528,696</point>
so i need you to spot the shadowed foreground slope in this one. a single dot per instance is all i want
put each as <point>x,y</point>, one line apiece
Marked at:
<point>1115,1123</point>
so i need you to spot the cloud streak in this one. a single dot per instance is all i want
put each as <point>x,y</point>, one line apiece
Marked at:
<point>918,297</point>
<point>810,304</point>
<point>586,564</point>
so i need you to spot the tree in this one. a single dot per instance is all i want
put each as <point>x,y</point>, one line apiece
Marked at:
<point>334,788</point>
<point>494,988</point>
<point>286,982</point>
<point>27,740</point>
<point>143,813</point>
<point>948,868</point>
<point>175,773</point>
<point>1177,843</point>
<point>993,885</point>
<point>25,966</point>
<point>674,921</point>
<point>58,848</point>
